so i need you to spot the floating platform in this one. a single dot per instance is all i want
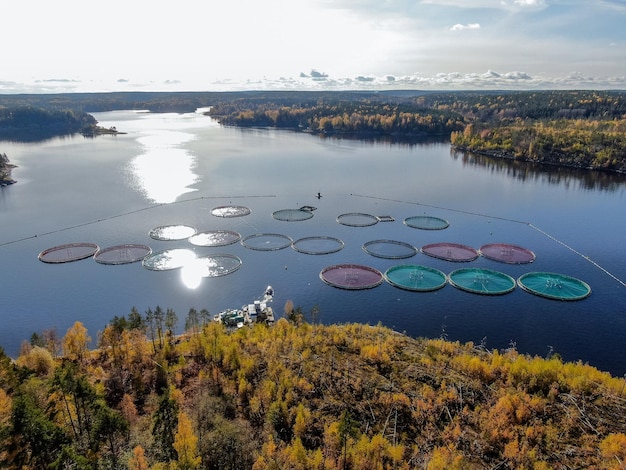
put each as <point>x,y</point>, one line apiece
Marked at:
<point>450,252</point>
<point>319,245</point>
<point>507,253</point>
<point>554,286</point>
<point>230,211</point>
<point>122,254</point>
<point>389,249</point>
<point>215,238</point>
<point>482,281</point>
<point>351,276</point>
<point>415,278</point>
<point>68,252</point>
<point>172,232</point>
<point>425,222</point>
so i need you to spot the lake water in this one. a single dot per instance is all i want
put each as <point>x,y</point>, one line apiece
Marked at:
<point>174,169</point>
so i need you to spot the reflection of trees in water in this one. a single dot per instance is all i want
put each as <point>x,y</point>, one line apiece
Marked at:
<point>528,171</point>
<point>387,140</point>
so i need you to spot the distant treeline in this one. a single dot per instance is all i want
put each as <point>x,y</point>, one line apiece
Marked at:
<point>361,116</point>
<point>28,123</point>
<point>584,129</point>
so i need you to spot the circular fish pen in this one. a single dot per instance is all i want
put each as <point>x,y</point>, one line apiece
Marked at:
<point>292,215</point>
<point>172,232</point>
<point>450,252</point>
<point>482,281</point>
<point>266,241</point>
<point>68,253</point>
<point>554,286</point>
<point>230,211</point>
<point>122,254</point>
<point>357,219</point>
<point>215,238</point>
<point>318,245</point>
<point>351,276</point>
<point>389,249</point>
<point>169,259</point>
<point>214,265</point>
<point>425,222</point>
<point>415,278</point>
<point>507,253</point>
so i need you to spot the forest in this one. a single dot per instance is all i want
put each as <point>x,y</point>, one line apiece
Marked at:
<point>577,128</point>
<point>27,123</point>
<point>298,395</point>
<point>582,129</point>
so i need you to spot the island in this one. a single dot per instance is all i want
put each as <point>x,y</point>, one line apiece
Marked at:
<point>93,130</point>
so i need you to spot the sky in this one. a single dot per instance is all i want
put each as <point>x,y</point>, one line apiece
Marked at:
<point>192,45</point>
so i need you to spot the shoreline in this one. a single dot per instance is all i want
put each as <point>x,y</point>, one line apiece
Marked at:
<point>5,174</point>
<point>502,155</point>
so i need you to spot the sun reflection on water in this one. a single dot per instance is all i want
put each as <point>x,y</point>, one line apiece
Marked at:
<point>164,171</point>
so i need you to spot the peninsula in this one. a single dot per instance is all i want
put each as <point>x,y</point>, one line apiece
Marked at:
<point>5,170</point>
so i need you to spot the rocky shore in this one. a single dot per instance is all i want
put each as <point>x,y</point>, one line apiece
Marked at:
<point>5,171</point>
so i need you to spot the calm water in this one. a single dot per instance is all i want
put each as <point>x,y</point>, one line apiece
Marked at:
<point>173,169</point>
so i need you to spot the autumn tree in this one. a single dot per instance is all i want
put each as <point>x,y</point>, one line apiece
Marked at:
<point>138,460</point>
<point>75,343</point>
<point>186,444</point>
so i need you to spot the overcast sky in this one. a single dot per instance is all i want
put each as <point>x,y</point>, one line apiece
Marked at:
<point>73,45</point>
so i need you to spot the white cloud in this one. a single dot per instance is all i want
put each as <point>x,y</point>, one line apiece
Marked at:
<point>244,44</point>
<point>489,80</point>
<point>459,27</point>
<point>529,3</point>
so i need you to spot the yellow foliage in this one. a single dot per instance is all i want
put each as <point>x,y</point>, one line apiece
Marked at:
<point>444,458</point>
<point>138,460</point>
<point>613,450</point>
<point>39,360</point>
<point>303,415</point>
<point>186,444</point>
<point>5,408</point>
<point>75,342</point>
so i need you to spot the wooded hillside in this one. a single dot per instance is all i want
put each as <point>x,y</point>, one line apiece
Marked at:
<point>32,124</point>
<point>299,396</point>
